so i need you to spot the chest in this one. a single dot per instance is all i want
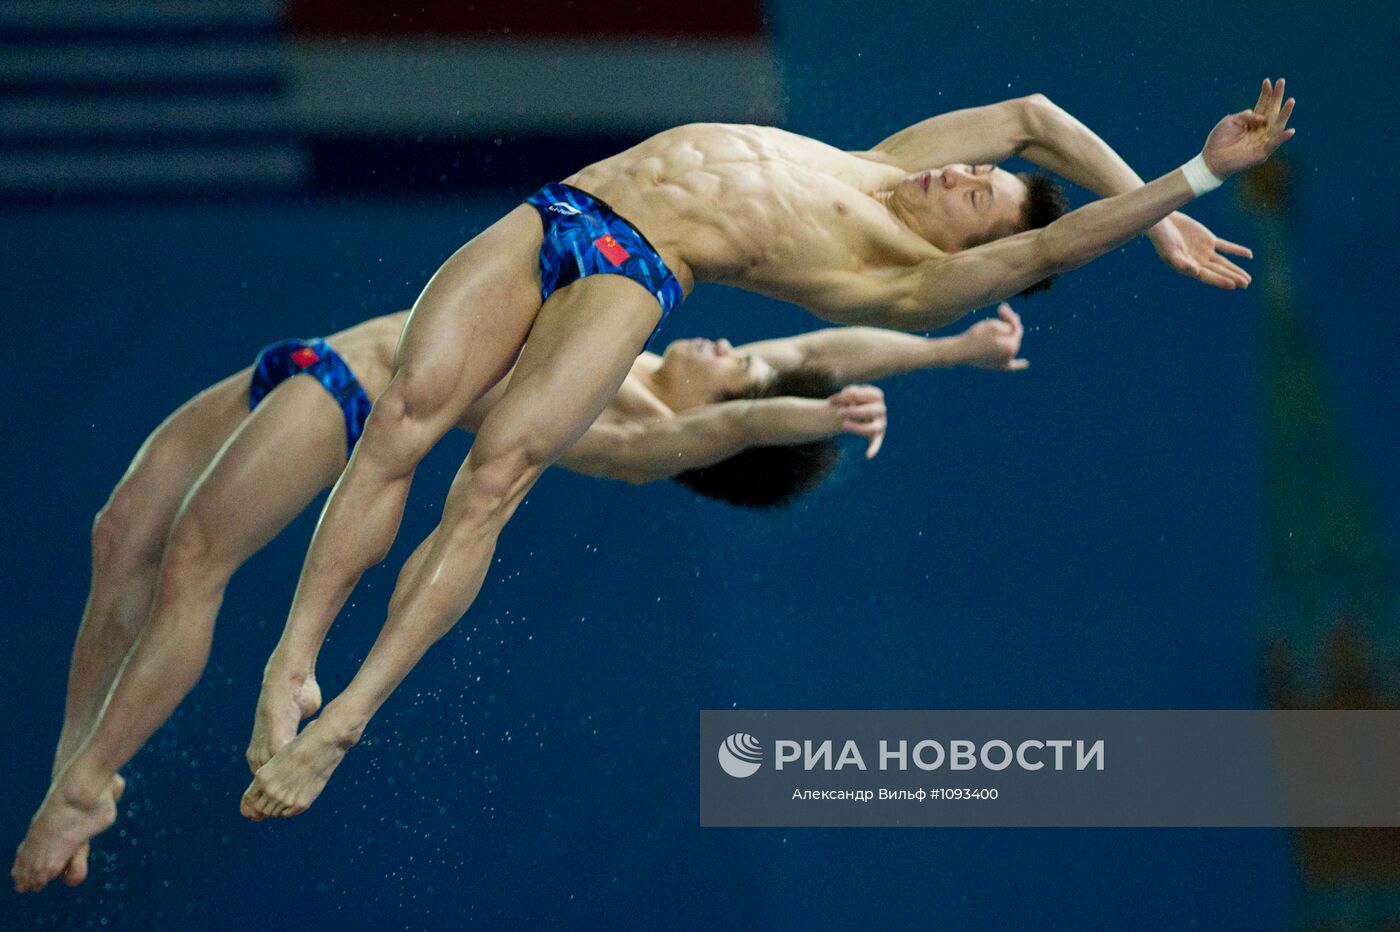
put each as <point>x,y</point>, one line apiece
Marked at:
<point>633,401</point>
<point>816,219</point>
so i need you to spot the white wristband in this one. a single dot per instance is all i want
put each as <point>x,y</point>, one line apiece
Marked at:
<point>1199,177</point>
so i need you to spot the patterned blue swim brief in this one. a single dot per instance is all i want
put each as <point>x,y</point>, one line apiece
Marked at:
<point>584,236</point>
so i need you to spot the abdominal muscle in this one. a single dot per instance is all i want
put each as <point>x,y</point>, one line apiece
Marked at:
<point>752,206</point>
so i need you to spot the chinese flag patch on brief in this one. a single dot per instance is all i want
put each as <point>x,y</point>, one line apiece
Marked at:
<point>306,356</point>
<point>611,249</point>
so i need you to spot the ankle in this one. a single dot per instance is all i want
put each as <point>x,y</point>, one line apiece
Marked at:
<point>282,672</point>
<point>79,787</point>
<point>342,725</point>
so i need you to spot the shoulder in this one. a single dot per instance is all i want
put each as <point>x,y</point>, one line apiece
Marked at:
<point>878,156</point>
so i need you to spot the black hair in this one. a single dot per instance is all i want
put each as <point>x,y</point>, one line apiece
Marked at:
<point>1045,203</point>
<point>770,476</point>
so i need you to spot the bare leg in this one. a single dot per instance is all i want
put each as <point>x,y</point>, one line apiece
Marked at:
<point>463,335</point>
<point>580,350</point>
<point>128,539</point>
<point>292,447</point>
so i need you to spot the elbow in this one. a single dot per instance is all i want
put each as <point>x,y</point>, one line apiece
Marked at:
<point>1037,113</point>
<point>917,318</point>
<point>1036,107</point>
<point>1056,251</point>
<point>742,427</point>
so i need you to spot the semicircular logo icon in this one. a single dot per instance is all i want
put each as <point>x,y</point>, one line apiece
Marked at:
<point>740,755</point>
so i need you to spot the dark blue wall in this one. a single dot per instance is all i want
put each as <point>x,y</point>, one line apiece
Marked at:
<point>1082,535</point>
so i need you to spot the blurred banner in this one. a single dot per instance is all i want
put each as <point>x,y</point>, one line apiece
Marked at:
<point>164,96</point>
<point>147,96</point>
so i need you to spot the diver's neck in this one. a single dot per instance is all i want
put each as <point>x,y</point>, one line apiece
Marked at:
<point>886,199</point>
<point>647,376</point>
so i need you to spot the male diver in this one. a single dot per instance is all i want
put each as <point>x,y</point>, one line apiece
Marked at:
<point>909,235</point>
<point>224,474</point>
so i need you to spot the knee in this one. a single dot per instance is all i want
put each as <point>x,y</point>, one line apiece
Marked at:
<point>400,429</point>
<point>111,528</point>
<point>118,534</point>
<point>503,470</point>
<point>130,529</point>
<point>192,559</point>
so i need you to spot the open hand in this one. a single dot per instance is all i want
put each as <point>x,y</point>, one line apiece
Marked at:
<point>863,413</point>
<point>1243,140</point>
<point>1191,249</point>
<point>994,343</point>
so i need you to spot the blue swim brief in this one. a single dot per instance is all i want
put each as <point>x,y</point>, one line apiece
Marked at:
<point>584,236</point>
<point>280,361</point>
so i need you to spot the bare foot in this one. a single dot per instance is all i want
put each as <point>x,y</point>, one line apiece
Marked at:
<point>75,872</point>
<point>289,783</point>
<point>282,704</point>
<point>58,835</point>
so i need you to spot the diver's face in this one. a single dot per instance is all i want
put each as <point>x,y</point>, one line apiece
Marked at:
<point>699,371</point>
<point>958,205</point>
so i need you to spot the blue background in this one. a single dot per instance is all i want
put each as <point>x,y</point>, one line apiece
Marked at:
<point>1086,534</point>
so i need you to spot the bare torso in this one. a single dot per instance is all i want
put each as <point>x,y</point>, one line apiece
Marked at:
<point>750,206</point>
<point>759,208</point>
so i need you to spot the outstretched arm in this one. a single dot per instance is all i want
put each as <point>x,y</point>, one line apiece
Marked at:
<point>943,289</point>
<point>1032,127</point>
<point>1044,134</point>
<point>865,354</point>
<point>667,446</point>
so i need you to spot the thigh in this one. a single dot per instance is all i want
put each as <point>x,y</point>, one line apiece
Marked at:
<point>583,344</point>
<point>288,450</point>
<point>179,450</point>
<point>468,325</point>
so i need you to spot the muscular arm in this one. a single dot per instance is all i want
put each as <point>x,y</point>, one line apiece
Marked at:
<point>1046,135</point>
<point>1032,127</point>
<point>941,290</point>
<point>662,447</point>
<point>861,354</point>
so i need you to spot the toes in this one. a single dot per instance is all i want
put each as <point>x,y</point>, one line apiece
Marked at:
<point>77,870</point>
<point>257,804</point>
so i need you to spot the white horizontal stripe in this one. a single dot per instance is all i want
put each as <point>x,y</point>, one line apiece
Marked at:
<point>115,171</point>
<point>102,63</point>
<point>67,119</point>
<point>137,14</point>
<point>442,87</point>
